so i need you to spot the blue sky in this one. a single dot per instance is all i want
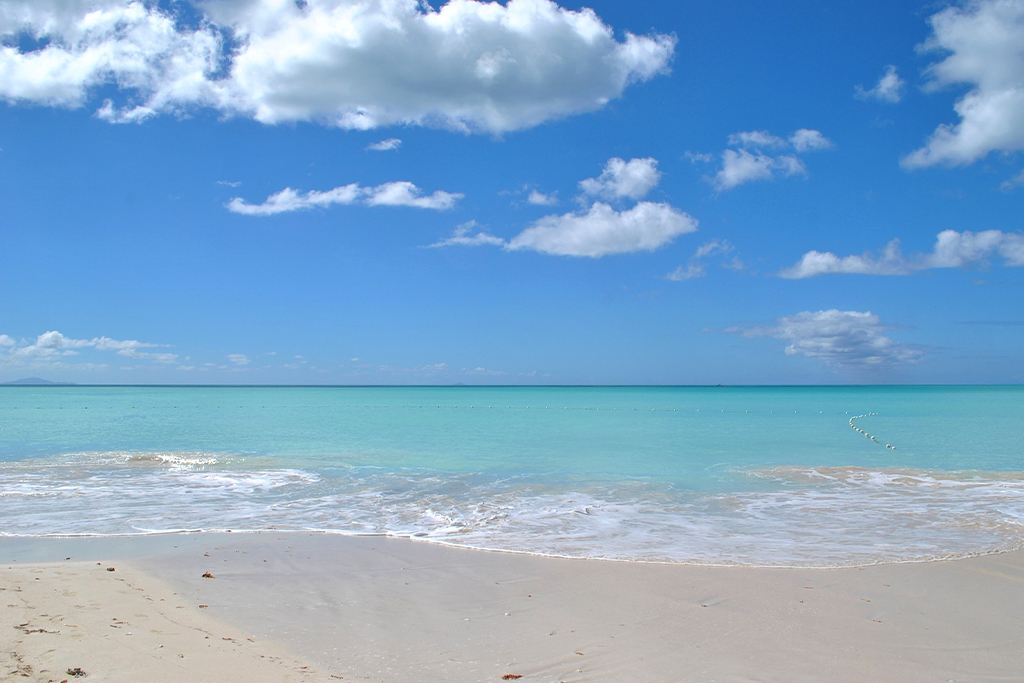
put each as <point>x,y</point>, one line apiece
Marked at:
<point>336,192</point>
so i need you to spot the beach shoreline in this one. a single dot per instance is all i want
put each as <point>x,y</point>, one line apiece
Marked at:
<point>388,609</point>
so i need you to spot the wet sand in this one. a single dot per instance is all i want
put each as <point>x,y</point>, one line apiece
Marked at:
<point>383,609</point>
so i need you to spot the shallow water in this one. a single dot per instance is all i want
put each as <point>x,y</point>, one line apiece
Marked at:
<point>766,476</point>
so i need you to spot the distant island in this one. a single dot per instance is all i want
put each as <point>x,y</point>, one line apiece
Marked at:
<point>37,381</point>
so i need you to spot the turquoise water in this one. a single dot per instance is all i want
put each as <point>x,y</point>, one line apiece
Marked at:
<point>773,476</point>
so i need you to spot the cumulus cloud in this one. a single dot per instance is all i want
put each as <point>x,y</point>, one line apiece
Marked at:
<point>696,267</point>
<point>983,41</point>
<point>401,193</point>
<point>602,230</point>
<point>238,358</point>
<point>51,347</point>
<point>86,45</point>
<point>598,229</point>
<point>952,250</point>
<point>385,145</point>
<point>621,178</point>
<point>358,64</point>
<point>462,237</point>
<point>740,166</point>
<point>814,263</point>
<point>973,249</point>
<point>842,339</point>
<point>755,157</point>
<point>888,89</point>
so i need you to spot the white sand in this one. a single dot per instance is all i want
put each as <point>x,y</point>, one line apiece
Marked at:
<point>377,609</point>
<point>60,620</point>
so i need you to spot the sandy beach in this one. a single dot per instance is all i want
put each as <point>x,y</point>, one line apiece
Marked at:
<point>311,607</point>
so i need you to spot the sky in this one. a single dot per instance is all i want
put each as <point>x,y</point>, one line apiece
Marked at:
<point>526,192</point>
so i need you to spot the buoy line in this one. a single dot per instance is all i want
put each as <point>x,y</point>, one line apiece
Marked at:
<point>869,436</point>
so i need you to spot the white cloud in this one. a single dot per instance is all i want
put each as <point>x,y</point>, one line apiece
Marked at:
<point>462,237</point>
<point>229,183</point>
<point>50,347</point>
<point>238,358</point>
<point>696,268</point>
<point>756,139</point>
<point>753,158</point>
<point>806,140</point>
<point>1015,181</point>
<point>290,200</point>
<point>984,45</point>
<point>599,229</point>
<point>841,339</point>
<point>540,199</point>
<point>385,145</point>
<point>814,263</point>
<point>602,230</point>
<point>740,166</point>
<point>692,270</point>
<point>472,66</point>
<point>952,250</point>
<point>888,89</point>
<point>401,193</point>
<point>91,44</point>
<point>969,249</point>
<point>621,178</point>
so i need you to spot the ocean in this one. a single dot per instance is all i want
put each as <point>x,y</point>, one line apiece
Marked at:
<point>767,476</point>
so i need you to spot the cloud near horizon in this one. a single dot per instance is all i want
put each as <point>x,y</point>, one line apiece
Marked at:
<point>468,66</point>
<point>52,349</point>
<point>952,250</point>
<point>841,339</point>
